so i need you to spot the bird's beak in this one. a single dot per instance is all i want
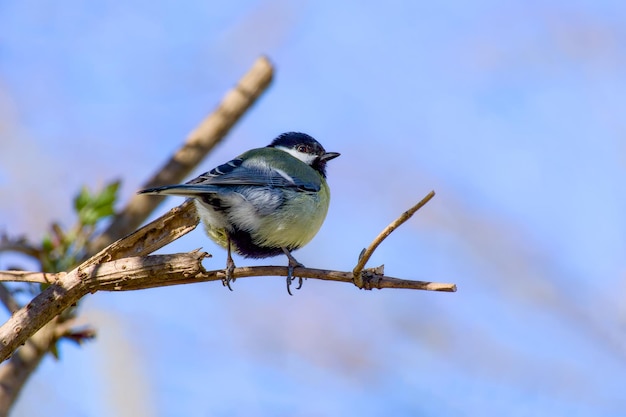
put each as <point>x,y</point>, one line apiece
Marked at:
<point>329,155</point>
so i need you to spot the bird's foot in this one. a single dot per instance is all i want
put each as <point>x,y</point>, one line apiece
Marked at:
<point>291,278</point>
<point>293,263</point>
<point>228,272</point>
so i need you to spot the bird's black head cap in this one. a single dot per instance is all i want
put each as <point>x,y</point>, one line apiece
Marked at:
<point>305,148</point>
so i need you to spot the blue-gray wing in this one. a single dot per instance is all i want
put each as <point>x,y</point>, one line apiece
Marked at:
<point>252,173</point>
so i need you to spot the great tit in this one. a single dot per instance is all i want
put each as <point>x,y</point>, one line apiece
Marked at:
<point>265,202</point>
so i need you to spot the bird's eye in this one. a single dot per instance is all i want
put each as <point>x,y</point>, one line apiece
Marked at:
<point>302,148</point>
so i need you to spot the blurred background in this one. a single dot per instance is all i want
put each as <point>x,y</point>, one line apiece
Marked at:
<point>513,112</point>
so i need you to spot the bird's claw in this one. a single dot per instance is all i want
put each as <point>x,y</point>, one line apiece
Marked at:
<point>230,268</point>
<point>228,272</point>
<point>291,278</point>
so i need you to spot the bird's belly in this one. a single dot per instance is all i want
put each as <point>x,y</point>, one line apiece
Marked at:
<point>294,225</point>
<point>262,231</point>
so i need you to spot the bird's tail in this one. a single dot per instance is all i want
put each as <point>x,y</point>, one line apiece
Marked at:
<point>185,190</point>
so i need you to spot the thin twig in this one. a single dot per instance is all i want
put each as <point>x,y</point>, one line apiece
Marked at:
<point>367,253</point>
<point>20,245</point>
<point>29,276</point>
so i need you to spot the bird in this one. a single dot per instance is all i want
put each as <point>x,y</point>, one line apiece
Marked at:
<point>265,202</point>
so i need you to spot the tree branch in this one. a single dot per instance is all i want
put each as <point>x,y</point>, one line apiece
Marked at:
<point>15,372</point>
<point>153,236</point>
<point>39,321</point>
<point>67,289</point>
<point>123,266</point>
<point>142,272</point>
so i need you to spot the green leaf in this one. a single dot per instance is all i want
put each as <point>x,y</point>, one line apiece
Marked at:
<point>82,199</point>
<point>46,244</point>
<point>103,211</point>
<point>109,194</point>
<point>92,208</point>
<point>88,216</point>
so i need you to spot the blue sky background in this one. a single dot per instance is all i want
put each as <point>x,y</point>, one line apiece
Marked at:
<point>512,111</point>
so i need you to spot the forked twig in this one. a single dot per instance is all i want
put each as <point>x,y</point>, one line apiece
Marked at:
<point>357,272</point>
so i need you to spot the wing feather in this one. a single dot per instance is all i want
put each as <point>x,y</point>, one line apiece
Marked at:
<point>252,172</point>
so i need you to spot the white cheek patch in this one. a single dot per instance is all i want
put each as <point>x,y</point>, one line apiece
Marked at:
<point>304,157</point>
